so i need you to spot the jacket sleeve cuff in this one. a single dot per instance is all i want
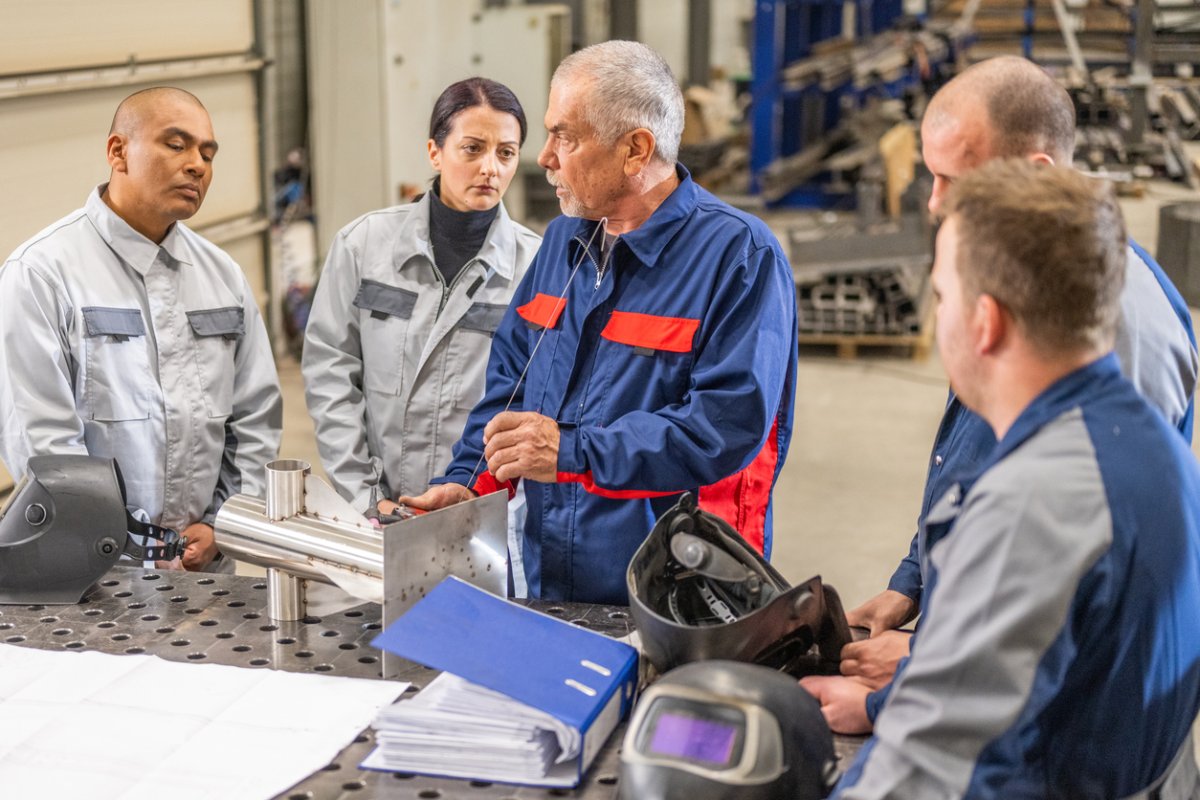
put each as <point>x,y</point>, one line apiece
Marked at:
<point>875,701</point>
<point>485,483</point>
<point>570,450</point>
<point>907,581</point>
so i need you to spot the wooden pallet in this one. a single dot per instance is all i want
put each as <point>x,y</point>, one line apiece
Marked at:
<point>920,344</point>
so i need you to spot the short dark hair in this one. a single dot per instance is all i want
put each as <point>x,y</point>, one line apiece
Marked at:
<point>458,97</point>
<point>1048,243</point>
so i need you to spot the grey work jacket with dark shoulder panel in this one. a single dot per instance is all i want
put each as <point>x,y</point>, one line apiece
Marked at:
<point>394,359</point>
<point>153,354</point>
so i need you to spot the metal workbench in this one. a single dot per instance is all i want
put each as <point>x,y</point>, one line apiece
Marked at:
<point>222,619</point>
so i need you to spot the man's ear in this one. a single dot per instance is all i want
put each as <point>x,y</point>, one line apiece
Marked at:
<point>990,324</point>
<point>1041,159</point>
<point>640,144</point>
<point>116,150</point>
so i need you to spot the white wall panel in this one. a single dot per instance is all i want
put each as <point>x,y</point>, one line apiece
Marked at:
<point>48,35</point>
<point>346,108</point>
<point>53,153</point>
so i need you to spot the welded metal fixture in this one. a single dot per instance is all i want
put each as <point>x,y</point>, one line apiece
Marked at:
<point>303,532</point>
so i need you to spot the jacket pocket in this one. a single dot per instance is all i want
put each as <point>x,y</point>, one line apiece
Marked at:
<point>216,332</point>
<point>647,333</point>
<point>483,317</point>
<point>385,314</point>
<point>118,385</point>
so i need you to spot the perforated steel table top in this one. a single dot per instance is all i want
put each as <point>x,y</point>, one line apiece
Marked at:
<point>222,619</point>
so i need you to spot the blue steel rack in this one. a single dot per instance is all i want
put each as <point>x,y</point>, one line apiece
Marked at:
<point>783,120</point>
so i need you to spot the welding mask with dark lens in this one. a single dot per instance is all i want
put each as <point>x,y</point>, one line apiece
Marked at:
<point>65,525</point>
<point>699,591</point>
<point>723,729</point>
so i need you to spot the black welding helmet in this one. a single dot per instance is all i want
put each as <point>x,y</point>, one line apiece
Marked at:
<point>724,729</point>
<point>65,525</point>
<point>699,591</point>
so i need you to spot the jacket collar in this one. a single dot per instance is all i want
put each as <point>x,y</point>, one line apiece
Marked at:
<point>130,246</point>
<point>498,254</point>
<point>648,240</point>
<point>1064,394</point>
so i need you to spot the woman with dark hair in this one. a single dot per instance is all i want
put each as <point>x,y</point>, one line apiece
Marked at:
<point>397,343</point>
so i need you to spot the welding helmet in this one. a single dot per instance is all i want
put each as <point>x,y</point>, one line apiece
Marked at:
<point>724,729</point>
<point>699,591</point>
<point>65,525</point>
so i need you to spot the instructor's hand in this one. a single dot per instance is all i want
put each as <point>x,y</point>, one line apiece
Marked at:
<point>522,444</point>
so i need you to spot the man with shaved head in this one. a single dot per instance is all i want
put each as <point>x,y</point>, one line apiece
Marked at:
<point>1008,107</point>
<point>126,335</point>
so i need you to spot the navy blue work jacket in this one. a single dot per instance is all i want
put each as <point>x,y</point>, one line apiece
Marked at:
<point>669,368</point>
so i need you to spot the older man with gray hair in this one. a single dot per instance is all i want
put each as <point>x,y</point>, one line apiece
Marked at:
<point>668,365</point>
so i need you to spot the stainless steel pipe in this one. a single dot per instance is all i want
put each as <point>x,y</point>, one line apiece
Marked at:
<point>285,596</point>
<point>285,487</point>
<point>299,545</point>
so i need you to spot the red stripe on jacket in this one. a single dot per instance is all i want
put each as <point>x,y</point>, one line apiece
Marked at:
<point>742,498</point>
<point>589,485</point>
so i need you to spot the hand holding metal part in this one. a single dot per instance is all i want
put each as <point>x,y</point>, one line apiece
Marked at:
<point>435,497</point>
<point>201,546</point>
<point>522,444</point>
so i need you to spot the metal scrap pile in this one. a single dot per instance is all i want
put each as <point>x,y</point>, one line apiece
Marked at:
<point>857,279</point>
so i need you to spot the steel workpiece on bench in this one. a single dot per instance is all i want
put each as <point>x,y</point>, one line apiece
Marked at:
<point>222,619</point>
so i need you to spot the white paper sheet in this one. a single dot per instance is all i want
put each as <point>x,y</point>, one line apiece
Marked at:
<point>139,728</point>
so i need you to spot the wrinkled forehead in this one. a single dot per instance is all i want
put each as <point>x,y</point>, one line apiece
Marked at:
<point>568,97</point>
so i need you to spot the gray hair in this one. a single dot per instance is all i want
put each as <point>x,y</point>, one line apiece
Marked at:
<point>630,86</point>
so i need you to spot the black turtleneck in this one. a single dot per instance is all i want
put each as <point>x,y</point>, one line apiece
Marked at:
<point>456,236</point>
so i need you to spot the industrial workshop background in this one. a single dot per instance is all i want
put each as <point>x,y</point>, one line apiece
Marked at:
<point>803,111</point>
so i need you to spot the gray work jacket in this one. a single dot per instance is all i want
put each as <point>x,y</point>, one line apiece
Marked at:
<point>394,359</point>
<point>153,354</point>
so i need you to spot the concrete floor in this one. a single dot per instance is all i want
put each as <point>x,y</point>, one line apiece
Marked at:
<point>847,500</point>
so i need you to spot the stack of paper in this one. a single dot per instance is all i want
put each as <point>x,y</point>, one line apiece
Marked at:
<point>457,728</point>
<point>496,713</point>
